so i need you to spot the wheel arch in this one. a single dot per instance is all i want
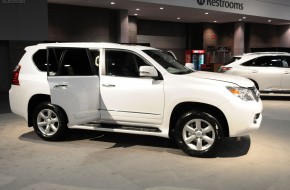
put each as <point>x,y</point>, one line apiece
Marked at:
<point>183,107</point>
<point>256,84</point>
<point>35,101</point>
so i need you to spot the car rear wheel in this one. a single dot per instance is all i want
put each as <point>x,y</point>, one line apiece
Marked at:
<point>49,122</point>
<point>198,134</point>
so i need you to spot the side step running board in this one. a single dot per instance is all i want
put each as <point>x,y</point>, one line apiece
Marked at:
<point>122,127</point>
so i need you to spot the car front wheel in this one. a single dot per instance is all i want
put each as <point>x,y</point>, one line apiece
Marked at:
<point>49,122</point>
<point>198,134</point>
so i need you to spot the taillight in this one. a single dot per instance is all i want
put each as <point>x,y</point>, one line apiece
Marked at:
<point>15,77</point>
<point>224,69</point>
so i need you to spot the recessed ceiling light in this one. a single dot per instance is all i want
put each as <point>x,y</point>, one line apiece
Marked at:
<point>161,8</point>
<point>269,20</point>
<point>240,20</point>
<point>206,13</point>
<point>112,3</point>
<point>136,14</point>
<point>178,18</point>
<point>137,9</point>
<point>244,17</point>
<point>215,21</point>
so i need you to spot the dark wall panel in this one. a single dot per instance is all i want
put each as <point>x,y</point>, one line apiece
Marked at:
<point>26,20</point>
<point>76,23</point>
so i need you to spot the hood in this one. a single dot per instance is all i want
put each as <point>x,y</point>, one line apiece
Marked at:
<point>240,81</point>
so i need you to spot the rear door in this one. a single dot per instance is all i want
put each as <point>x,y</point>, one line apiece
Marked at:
<point>285,84</point>
<point>266,71</point>
<point>74,84</point>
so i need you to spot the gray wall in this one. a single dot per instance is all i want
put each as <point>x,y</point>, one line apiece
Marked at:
<point>284,34</point>
<point>23,21</point>
<point>163,35</point>
<point>76,23</point>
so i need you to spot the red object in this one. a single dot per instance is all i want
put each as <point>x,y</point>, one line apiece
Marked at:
<point>213,36</point>
<point>15,77</point>
<point>188,58</point>
<point>224,69</point>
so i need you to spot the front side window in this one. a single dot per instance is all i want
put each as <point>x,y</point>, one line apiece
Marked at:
<point>69,62</point>
<point>267,61</point>
<point>123,63</point>
<point>168,62</point>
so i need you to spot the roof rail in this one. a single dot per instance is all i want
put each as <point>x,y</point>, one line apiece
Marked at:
<point>257,53</point>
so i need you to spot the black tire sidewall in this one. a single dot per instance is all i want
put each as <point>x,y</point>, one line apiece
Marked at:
<point>59,135</point>
<point>198,115</point>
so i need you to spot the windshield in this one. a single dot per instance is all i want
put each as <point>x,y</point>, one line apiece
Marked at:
<point>168,62</point>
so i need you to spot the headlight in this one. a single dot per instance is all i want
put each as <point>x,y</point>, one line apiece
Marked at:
<point>243,93</point>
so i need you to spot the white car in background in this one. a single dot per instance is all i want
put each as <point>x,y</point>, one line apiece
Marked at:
<point>270,71</point>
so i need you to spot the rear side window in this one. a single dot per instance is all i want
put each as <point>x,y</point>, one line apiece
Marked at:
<point>40,59</point>
<point>70,62</point>
<point>267,61</point>
<point>248,63</point>
<point>286,61</point>
<point>233,59</point>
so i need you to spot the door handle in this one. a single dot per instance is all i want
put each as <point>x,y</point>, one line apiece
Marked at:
<point>108,85</point>
<point>286,72</point>
<point>254,71</point>
<point>60,86</point>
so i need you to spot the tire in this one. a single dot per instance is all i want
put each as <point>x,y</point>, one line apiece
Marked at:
<point>198,134</point>
<point>49,122</point>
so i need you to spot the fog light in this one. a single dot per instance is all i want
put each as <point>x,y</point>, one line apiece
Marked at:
<point>256,117</point>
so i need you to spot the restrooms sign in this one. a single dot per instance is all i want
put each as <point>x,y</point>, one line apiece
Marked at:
<point>221,3</point>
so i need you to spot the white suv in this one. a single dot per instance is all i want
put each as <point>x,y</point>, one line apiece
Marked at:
<point>130,89</point>
<point>270,71</point>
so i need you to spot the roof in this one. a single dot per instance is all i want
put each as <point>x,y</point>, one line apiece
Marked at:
<point>90,45</point>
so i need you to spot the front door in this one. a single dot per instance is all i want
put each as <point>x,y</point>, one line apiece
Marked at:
<point>127,97</point>
<point>74,84</point>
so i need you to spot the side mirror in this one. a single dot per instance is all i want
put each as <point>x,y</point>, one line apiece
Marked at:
<point>148,71</point>
<point>189,65</point>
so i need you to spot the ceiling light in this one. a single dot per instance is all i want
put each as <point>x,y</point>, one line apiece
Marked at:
<point>112,3</point>
<point>136,14</point>
<point>161,8</point>
<point>240,20</point>
<point>244,17</point>
<point>269,20</point>
<point>178,18</point>
<point>206,13</point>
<point>137,9</point>
<point>215,21</point>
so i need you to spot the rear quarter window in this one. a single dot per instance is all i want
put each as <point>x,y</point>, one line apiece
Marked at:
<point>40,60</point>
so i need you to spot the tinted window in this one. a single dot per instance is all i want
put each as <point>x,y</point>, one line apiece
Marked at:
<point>267,61</point>
<point>122,63</point>
<point>40,59</point>
<point>233,59</point>
<point>69,62</point>
<point>286,61</point>
<point>167,62</point>
<point>248,63</point>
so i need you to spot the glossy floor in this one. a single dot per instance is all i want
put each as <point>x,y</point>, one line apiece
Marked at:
<point>93,160</point>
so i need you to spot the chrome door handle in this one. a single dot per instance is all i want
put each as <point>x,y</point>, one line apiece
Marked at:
<point>60,86</point>
<point>254,71</point>
<point>108,85</point>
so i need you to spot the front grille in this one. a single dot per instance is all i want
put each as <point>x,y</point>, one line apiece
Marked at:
<point>255,93</point>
